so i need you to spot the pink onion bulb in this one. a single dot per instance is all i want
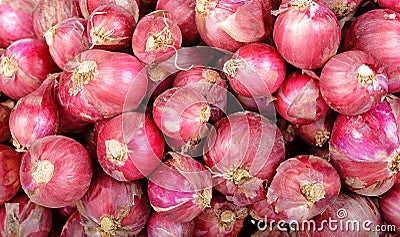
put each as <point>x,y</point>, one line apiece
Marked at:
<point>389,4</point>
<point>353,82</point>
<point>303,187</point>
<point>365,148</point>
<point>306,33</point>
<point>180,189</point>
<point>56,171</point>
<point>73,226</point>
<point>242,152</point>
<point>389,206</point>
<point>88,6</point>
<point>10,162</point>
<point>158,226</point>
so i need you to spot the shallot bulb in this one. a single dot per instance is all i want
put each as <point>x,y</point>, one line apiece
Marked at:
<point>158,226</point>
<point>365,148</point>
<point>242,152</point>
<point>56,171</point>
<point>303,187</point>
<point>112,208</point>
<point>230,24</point>
<point>5,111</point>
<point>24,66</point>
<point>389,206</point>
<point>22,217</point>
<point>110,27</point>
<point>353,82</point>
<point>180,189</point>
<point>10,162</point>
<point>88,6</point>
<point>73,226</point>
<point>389,4</point>
<point>306,33</point>
<point>34,116</point>
<point>100,84</point>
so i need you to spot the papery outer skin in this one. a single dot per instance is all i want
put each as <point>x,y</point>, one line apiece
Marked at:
<point>16,21</point>
<point>263,70</point>
<point>340,86</point>
<point>299,99</point>
<point>207,223</point>
<point>285,196</point>
<point>34,116</point>
<point>244,140</point>
<point>73,226</point>
<point>389,206</point>
<point>361,148</point>
<point>158,226</point>
<point>177,113</point>
<point>230,24</point>
<point>111,18</point>
<point>118,73</point>
<point>376,32</point>
<point>70,39</point>
<point>144,142</point>
<point>10,162</point>
<point>348,208</point>
<point>153,24</point>
<point>124,200</point>
<point>390,4</point>
<point>48,13</point>
<point>184,15</point>
<point>25,218</point>
<point>299,38</point>
<point>72,171</point>
<point>174,187</point>
<point>88,6</point>
<point>34,63</point>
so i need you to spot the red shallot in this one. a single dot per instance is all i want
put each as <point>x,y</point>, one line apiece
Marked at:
<point>158,226</point>
<point>10,162</point>
<point>5,111</point>
<point>389,205</point>
<point>88,6</point>
<point>73,226</point>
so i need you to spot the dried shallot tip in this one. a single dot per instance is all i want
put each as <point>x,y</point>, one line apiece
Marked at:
<point>158,226</point>
<point>365,148</point>
<point>113,208</point>
<point>73,226</point>
<point>303,187</point>
<point>22,217</point>
<point>222,218</point>
<point>297,25</point>
<point>389,206</point>
<point>56,171</point>
<point>66,40</point>
<point>353,82</point>
<point>49,13</point>
<point>10,162</point>
<point>299,99</point>
<point>88,79</point>
<point>389,4</point>
<point>374,32</point>
<point>156,38</point>
<point>180,189</point>
<point>21,26</point>
<point>34,116</point>
<point>20,74</point>
<point>242,152</point>
<point>231,24</point>
<point>110,27</point>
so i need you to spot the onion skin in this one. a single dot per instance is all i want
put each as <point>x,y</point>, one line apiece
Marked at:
<point>389,206</point>
<point>110,27</point>
<point>158,226</point>
<point>376,32</point>
<point>66,40</point>
<point>34,116</point>
<point>88,6</point>
<point>181,189</point>
<point>16,21</point>
<point>112,208</point>
<point>56,171</point>
<point>389,4</point>
<point>22,217</point>
<point>130,146</point>
<point>260,70</point>
<point>24,66</point>
<point>230,24</point>
<point>353,82</point>
<point>73,226</point>
<point>365,148</point>
<point>298,37</point>
<point>243,152</point>
<point>299,99</point>
<point>303,187</point>
<point>10,162</point>
<point>87,80</point>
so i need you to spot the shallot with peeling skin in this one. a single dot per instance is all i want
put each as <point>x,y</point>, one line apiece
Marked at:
<point>389,206</point>
<point>365,149</point>
<point>242,152</point>
<point>303,187</point>
<point>158,226</point>
<point>88,6</point>
<point>180,189</point>
<point>73,226</point>
<point>113,208</point>
<point>10,161</point>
